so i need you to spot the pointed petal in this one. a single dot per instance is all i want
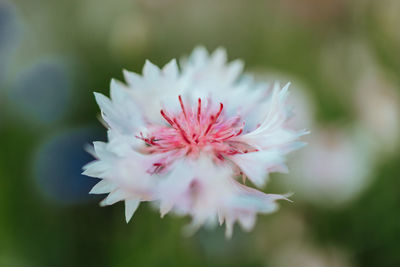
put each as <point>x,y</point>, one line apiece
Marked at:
<point>165,207</point>
<point>117,91</point>
<point>219,56</point>
<point>103,187</point>
<point>114,197</point>
<point>199,55</point>
<point>131,206</point>
<point>132,78</point>
<point>150,71</point>
<point>103,102</point>
<point>247,221</point>
<point>121,113</point>
<point>229,222</point>
<point>256,164</point>
<point>171,69</point>
<point>235,68</point>
<point>97,169</point>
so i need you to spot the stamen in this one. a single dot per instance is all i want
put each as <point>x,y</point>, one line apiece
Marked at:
<point>221,106</point>
<point>240,131</point>
<point>198,110</point>
<point>182,106</point>
<point>214,119</point>
<point>183,133</point>
<point>232,135</point>
<point>220,157</point>
<point>148,141</point>
<point>157,168</point>
<point>166,117</point>
<point>193,129</point>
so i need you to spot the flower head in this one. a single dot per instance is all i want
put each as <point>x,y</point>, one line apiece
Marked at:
<point>189,138</point>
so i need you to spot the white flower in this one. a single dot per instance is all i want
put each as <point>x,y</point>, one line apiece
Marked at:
<point>183,138</point>
<point>335,168</point>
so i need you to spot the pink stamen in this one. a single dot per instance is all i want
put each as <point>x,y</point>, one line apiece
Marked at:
<point>183,133</point>
<point>214,119</point>
<point>166,118</point>
<point>193,129</point>
<point>182,106</point>
<point>198,110</point>
<point>239,133</point>
<point>221,106</point>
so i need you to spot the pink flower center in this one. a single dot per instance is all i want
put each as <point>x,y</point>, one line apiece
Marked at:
<point>195,129</point>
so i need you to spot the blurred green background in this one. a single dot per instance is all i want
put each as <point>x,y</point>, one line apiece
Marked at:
<point>343,58</point>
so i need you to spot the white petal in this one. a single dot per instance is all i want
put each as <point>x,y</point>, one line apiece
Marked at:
<point>131,206</point>
<point>122,145</point>
<point>103,187</point>
<point>117,91</point>
<point>221,218</point>
<point>254,201</point>
<point>101,149</point>
<point>205,75</point>
<point>235,68</point>
<point>229,222</point>
<point>150,71</point>
<point>121,113</point>
<point>219,56</point>
<point>199,55</point>
<point>173,187</point>
<point>97,169</point>
<point>196,188</point>
<point>272,134</point>
<point>171,69</point>
<point>133,79</point>
<point>256,164</point>
<point>247,221</point>
<point>114,197</point>
<point>165,207</point>
<point>103,102</point>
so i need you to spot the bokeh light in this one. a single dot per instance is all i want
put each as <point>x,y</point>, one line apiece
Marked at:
<point>42,91</point>
<point>334,169</point>
<point>57,166</point>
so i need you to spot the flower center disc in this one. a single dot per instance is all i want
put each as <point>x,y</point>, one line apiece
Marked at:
<point>194,129</point>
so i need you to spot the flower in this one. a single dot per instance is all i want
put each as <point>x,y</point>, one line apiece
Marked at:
<point>182,138</point>
<point>344,166</point>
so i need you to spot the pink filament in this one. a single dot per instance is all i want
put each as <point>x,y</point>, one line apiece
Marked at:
<point>195,129</point>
